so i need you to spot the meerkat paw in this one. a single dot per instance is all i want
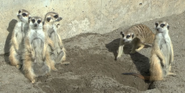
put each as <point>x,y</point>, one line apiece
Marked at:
<point>18,66</point>
<point>171,74</point>
<point>118,56</point>
<point>33,81</point>
<point>65,63</point>
<point>54,69</point>
<point>48,74</point>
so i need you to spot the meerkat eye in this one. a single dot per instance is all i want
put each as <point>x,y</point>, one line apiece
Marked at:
<point>33,20</point>
<point>48,19</point>
<point>19,11</point>
<point>38,21</point>
<point>156,24</point>
<point>162,25</point>
<point>24,14</point>
<point>128,36</point>
<point>56,16</point>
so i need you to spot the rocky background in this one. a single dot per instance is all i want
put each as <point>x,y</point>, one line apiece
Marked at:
<point>82,16</point>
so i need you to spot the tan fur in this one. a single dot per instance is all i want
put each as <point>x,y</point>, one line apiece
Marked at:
<point>138,36</point>
<point>36,59</point>
<point>51,25</point>
<point>161,55</point>
<point>18,34</point>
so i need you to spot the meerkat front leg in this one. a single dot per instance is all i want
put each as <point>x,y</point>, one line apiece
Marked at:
<point>160,55</point>
<point>120,49</point>
<point>29,47</point>
<point>50,43</point>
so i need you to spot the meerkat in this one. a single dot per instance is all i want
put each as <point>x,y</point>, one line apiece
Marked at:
<point>138,36</point>
<point>18,34</point>
<point>161,55</point>
<point>36,59</point>
<point>51,25</point>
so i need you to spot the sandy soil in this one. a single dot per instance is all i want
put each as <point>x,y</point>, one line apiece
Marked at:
<point>93,67</point>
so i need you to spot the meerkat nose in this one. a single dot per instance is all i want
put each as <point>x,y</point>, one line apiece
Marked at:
<point>18,16</point>
<point>60,18</point>
<point>35,25</point>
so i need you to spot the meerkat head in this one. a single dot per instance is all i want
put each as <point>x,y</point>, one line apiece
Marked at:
<point>127,36</point>
<point>162,26</point>
<point>35,22</point>
<point>52,17</point>
<point>23,15</point>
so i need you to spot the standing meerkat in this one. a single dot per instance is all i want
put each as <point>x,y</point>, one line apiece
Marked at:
<point>51,25</point>
<point>36,59</point>
<point>138,36</point>
<point>19,32</point>
<point>161,55</point>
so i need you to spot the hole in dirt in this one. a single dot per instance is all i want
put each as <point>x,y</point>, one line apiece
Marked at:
<point>135,63</point>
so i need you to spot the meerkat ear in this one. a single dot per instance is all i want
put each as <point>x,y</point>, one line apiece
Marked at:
<point>156,24</point>
<point>168,27</point>
<point>121,32</point>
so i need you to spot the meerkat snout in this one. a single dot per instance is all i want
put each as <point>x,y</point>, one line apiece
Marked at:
<point>58,19</point>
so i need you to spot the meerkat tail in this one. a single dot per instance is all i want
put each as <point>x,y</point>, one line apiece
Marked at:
<point>138,75</point>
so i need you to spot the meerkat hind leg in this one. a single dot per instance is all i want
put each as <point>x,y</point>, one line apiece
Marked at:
<point>61,58</point>
<point>140,46</point>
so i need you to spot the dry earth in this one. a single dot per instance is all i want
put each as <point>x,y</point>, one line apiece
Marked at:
<point>93,67</point>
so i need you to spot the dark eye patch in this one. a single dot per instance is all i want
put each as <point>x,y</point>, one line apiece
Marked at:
<point>128,36</point>
<point>162,25</point>
<point>56,16</point>
<point>38,21</point>
<point>156,24</point>
<point>19,11</point>
<point>33,20</point>
<point>48,19</point>
<point>24,14</point>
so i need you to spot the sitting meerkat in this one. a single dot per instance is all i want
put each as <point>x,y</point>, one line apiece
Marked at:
<point>36,59</point>
<point>161,55</point>
<point>51,25</point>
<point>138,36</point>
<point>18,34</point>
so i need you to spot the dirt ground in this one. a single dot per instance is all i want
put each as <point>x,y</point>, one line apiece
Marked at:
<point>93,67</point>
